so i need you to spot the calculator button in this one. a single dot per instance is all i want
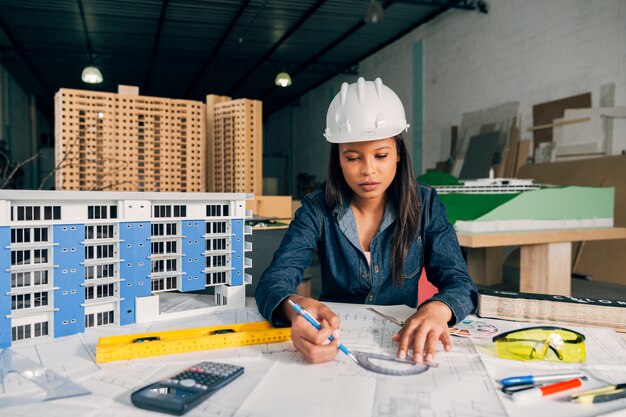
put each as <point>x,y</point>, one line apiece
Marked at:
<point>188,382</point>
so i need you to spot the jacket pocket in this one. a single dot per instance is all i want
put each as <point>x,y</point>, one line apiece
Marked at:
<point>414,259</point>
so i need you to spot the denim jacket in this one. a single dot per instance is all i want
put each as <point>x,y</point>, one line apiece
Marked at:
<point>346,275</point>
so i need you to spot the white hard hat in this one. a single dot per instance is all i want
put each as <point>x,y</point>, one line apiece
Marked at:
<point>365,110</point>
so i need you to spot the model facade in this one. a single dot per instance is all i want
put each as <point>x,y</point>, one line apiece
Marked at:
<point>234,145</point>
<point>511,205</point>
<point>128,142</point>
<point>75,260</point>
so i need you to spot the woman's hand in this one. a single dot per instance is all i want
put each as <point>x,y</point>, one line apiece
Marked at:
<point>306,338</point>
<point>423,330</point>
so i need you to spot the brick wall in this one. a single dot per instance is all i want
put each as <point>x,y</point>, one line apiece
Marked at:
<point>529,51</point>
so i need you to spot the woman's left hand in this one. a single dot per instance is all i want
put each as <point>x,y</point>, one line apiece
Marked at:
<point>423,330</point>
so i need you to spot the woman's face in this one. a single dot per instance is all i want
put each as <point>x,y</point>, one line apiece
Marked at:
<point>369,167</point>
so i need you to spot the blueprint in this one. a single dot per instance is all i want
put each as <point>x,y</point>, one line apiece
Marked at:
<point>278,381</point>
<point>306,390</point>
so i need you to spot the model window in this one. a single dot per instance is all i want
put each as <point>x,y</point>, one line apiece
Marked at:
<point>40,256</point>
<point>20,301</point>
<point>40,234</point>
<point>216,278</point>
<point>40,277</point>
<point>20,257</point>
<point>20,235</point>
<point>20,332</point>
<point>20,279</point>
<point>40,299</point>
<point>213,210</point>
<point>41,329</point>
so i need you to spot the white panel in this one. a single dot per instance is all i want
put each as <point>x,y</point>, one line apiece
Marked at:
<point>146,309</point>
<point>136,210</point>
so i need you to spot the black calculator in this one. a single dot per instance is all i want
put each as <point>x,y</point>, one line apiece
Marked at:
<point>183,391</point>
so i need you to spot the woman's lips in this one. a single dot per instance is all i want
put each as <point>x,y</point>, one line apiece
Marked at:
<point>369,186</point>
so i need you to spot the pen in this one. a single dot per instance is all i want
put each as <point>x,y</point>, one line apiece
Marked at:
<point>600,395</point>
<point>534,393</point>
<point>536,379</point>
<point>318,326</point>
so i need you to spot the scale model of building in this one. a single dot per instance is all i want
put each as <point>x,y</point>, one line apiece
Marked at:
<point>73,260</point>
<point>127,142</point>
<point>234,145</point>
<point>512,205</point>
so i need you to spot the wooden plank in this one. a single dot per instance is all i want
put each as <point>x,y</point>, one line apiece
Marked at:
<point>484,240</point>
<point>559,123</point>
<point>546,269</point>
<point>485,265</point>
<point>522,155</point>
<point>511,150</point>
<point>545,113</point>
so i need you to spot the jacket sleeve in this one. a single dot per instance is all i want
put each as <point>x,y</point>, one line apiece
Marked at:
<point>445,267</point>
<point>293,256</point>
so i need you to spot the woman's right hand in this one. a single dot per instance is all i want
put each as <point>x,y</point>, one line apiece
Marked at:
<point>309,341</point>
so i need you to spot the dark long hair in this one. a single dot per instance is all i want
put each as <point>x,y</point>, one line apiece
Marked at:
<point>403,196</point>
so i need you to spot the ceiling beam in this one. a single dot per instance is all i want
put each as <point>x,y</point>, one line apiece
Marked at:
<point>327,48</point>
<point>354,63</point>
<point>450,4</point>
<point>217,47</point>
<point>20,51</point>
<point>276,45</point>
<point>85,31</point>
<point>155,47</point>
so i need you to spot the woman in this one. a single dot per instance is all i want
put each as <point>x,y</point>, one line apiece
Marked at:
<point>373,228</point>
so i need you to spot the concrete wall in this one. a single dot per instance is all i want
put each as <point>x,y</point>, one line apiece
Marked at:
<point>530,51</point>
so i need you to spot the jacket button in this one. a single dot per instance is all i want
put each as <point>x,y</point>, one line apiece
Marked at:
<point>370,298</point>
<point>363,276</point>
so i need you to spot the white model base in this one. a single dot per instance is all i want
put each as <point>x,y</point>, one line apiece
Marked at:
<point>148,308</point>
<point>528,225</point>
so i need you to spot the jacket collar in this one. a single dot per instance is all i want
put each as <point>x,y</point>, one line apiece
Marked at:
<point>347,223</point>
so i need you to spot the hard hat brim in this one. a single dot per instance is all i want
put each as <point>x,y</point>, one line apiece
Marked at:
<point>366,135</point>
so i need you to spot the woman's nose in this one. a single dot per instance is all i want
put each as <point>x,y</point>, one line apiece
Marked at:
<point>367,169</point>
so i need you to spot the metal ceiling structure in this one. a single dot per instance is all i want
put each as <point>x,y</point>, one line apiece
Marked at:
<point>190,48</point>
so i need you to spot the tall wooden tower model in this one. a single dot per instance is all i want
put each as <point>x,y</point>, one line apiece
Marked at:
<point>128,142</point>
<point>234,145</point>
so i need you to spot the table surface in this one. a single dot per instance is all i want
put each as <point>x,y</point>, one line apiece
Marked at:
<point>483,240</point>
<point>277,381</point>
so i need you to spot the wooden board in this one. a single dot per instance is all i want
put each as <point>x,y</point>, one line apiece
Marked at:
<point>600,260</point>
<point>545,113</point>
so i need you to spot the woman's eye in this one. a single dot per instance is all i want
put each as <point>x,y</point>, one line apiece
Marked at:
<point>382,156</point>
<point>352,158</point>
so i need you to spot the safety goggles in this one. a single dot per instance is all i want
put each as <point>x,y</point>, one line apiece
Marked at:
<point>541,343</point>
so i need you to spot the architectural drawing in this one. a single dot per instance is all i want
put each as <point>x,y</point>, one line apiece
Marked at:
<point>76,260</point>
<point>464,384</point>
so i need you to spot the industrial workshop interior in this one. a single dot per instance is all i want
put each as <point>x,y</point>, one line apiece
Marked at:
<point>200,209</point>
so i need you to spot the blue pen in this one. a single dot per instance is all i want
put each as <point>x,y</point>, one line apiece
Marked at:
<point>539,379</point>
<point>318,326</point>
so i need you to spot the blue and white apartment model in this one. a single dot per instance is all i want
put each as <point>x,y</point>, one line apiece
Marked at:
<point>70,260</point>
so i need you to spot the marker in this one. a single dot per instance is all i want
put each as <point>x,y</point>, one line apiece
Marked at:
<point>539,379</point>
<point>600,395</point>
<point>318,326</point>
<point>535,393</point>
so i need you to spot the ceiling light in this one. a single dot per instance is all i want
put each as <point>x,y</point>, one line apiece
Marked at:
<point>283,80</point>
<point>92,75</point>
<point>374,12</point>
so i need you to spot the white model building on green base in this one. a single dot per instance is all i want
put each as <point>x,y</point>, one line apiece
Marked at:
<point>518,205</point>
